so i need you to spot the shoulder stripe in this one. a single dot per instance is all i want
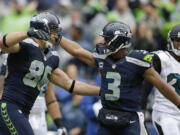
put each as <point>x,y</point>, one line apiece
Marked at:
<point>102,56</point>
<point>31,41</point>
<point>137,62</point>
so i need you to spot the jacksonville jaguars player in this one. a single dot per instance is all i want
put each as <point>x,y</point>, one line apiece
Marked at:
<point>165,115</point>
<point>122,73</point>
<point>30,64</point>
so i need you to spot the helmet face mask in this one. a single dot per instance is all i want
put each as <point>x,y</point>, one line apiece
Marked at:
<point>117,35</point>
<point>174,36</point>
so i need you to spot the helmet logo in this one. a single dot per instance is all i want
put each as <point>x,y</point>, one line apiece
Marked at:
<point>46,23</point>
<point>117,32</point>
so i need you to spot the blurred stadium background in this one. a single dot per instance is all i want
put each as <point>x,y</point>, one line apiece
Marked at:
<point>82,20</point>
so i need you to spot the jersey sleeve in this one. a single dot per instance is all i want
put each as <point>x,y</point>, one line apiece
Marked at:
<point>55,59</point>
<point>157,63</point>
<point>27,44</point>
<point>142,59</point>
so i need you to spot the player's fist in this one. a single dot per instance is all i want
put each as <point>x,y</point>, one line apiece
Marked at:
<point>62,131</point>
<point>39,34</point>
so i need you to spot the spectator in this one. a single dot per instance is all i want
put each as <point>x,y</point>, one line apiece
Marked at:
<point>123,13</point>
<point>19,17</point>
<point>144,41</point>
<point>90,106</point>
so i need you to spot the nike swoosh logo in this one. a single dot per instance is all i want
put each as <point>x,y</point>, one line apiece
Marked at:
<point>132,121</point>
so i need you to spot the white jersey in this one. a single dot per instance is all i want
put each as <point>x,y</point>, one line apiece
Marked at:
<point>3,58</point>
<point>37,116</point>
<point>170,73</point>
<point>39,105</point>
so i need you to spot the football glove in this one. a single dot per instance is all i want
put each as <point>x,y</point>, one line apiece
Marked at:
<point>39,34</point>
<point>62,131</point>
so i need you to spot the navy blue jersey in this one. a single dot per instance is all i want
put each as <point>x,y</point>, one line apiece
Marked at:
<point>121,79</point>
<point>28,73</point>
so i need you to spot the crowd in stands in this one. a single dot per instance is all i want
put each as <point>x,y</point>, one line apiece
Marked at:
<point>82,21</point>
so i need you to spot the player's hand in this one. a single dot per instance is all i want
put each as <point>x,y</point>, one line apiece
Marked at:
<point>59,37</point>
<point>62,131</point>
<point>39,34</point>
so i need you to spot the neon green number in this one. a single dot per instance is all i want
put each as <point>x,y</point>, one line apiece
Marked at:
<point>44,80</point>
<point>37,77</point>
<point>36,70</point>
<point>114,86</point>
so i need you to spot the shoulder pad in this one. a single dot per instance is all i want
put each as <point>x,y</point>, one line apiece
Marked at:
<point>164,57</point>
<point>142,55</point>
<point>31,41</point>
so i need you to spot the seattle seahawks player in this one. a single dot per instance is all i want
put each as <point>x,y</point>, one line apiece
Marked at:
<point>30,64</point>
<point>122,73</point>
<point>37,114</point>
<point>166,116</point>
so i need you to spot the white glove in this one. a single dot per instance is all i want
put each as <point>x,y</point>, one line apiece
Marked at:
<point>96,107</point>
<point>62,131</point>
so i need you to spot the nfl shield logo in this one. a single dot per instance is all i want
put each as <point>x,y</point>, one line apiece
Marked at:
<point>114,66</point>
<point>101,64</point>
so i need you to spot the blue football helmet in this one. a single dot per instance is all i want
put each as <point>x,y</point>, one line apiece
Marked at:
<point>117,36</point>
<point>174,34</point>
<point>46,21</point>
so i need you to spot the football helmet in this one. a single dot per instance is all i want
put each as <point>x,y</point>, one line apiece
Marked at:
<point>174,35</point>
<point>47,22</point>
<point>117,36</point>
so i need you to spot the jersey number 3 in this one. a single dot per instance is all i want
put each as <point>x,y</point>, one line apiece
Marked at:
<point>37,76</point>
<point>114,86</point>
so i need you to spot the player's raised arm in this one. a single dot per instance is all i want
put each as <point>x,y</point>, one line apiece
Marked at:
<point>76,50</point>
<point>152,76</point>
<point>10,42</point>
<point>61,79</point>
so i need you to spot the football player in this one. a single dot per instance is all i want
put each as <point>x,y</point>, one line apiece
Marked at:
<point>165,115</point>
<point>30,64</point>
<point>122,72</point>
<point>37,114</point>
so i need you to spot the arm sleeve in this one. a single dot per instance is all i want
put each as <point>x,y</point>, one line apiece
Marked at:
<point>147,87</point>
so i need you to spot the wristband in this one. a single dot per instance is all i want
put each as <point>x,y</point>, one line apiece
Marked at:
<point>72,86</point>
<point>4,41</point>
<point>58,122</point>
